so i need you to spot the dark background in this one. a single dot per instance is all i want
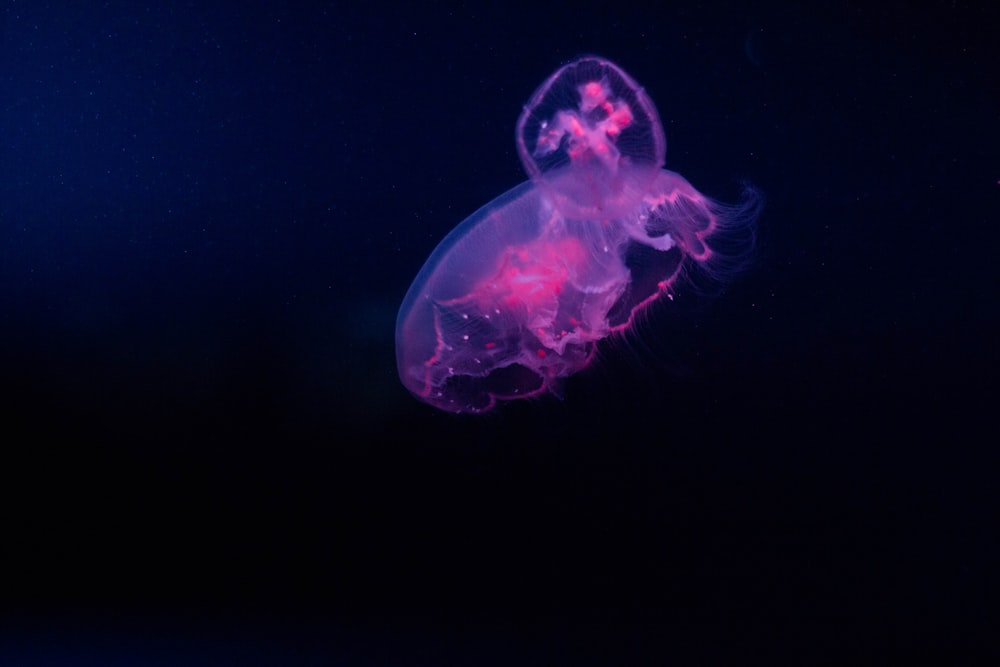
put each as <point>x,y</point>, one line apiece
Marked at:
<point>210,212</point>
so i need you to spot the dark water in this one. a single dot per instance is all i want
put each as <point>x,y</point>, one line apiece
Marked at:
<point>210,213</point>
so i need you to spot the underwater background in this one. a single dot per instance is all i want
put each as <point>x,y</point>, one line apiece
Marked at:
<point>210,214</point>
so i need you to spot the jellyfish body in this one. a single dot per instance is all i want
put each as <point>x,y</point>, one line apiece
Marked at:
<point>515,299</point>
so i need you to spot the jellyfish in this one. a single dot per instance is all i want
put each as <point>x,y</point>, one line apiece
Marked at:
<point>518,296</point>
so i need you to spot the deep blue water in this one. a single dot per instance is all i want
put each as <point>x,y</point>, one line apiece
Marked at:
<point>210,213</point>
